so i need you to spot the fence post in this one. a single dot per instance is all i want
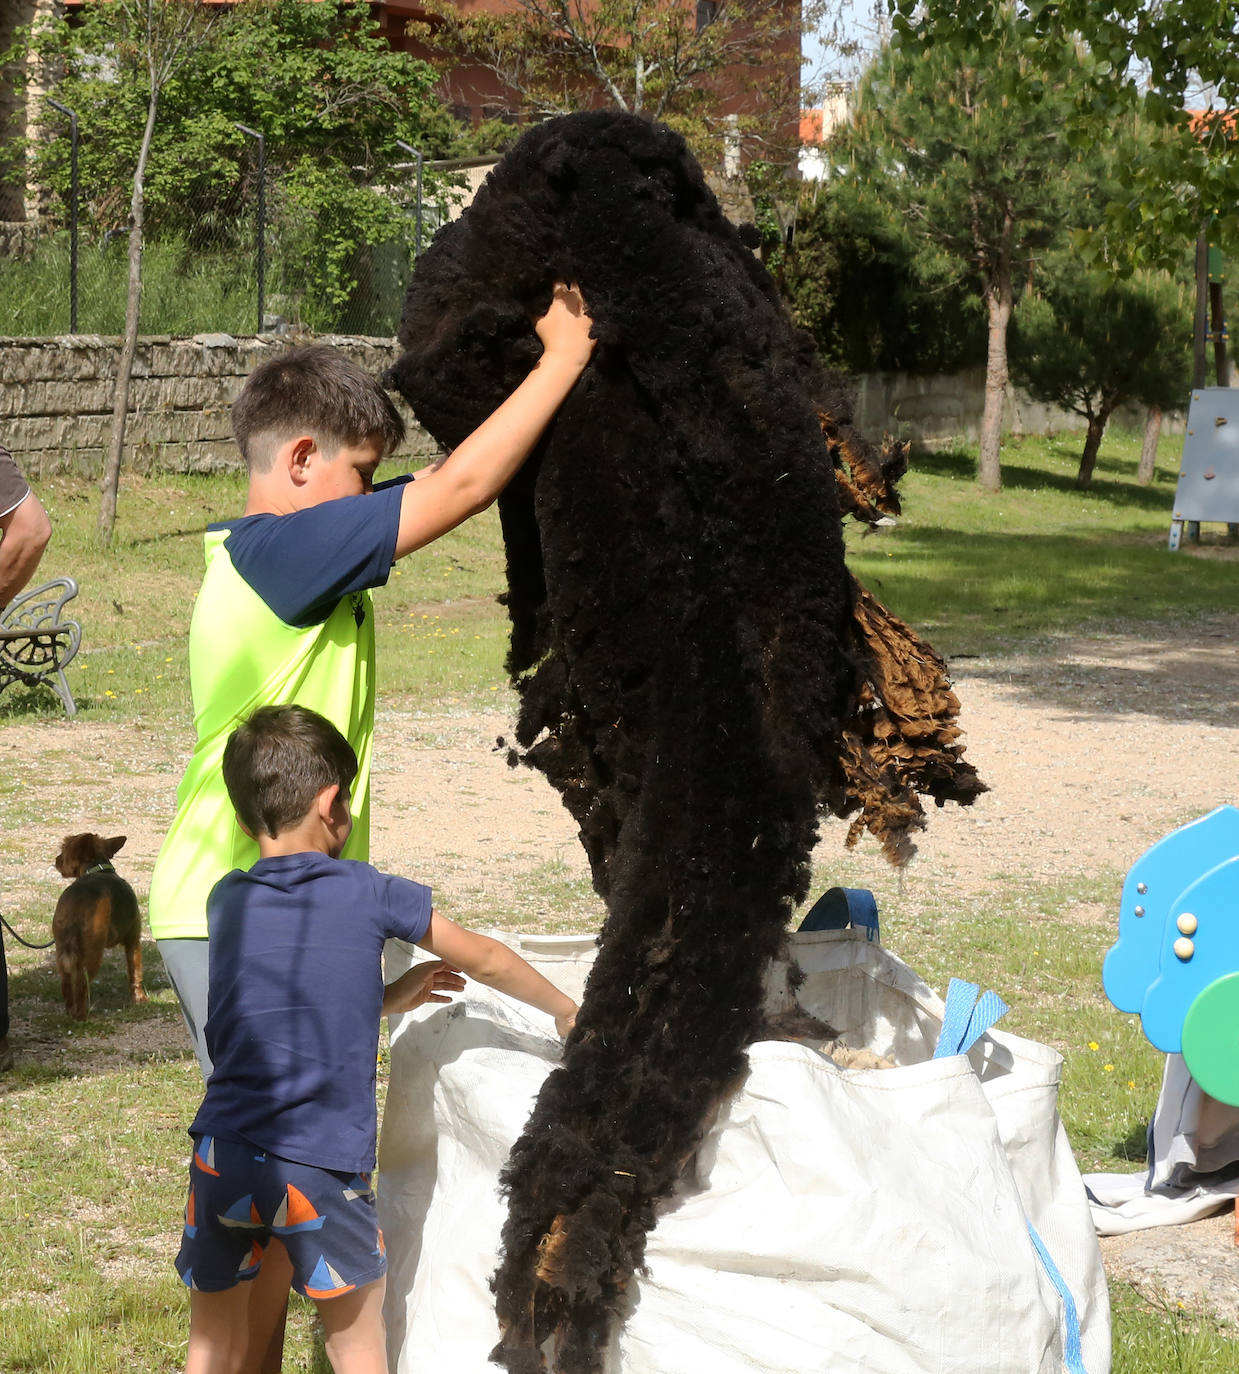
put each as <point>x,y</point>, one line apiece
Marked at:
<point>417,221</point>
<point>261,215</point>
<point>73,195</point>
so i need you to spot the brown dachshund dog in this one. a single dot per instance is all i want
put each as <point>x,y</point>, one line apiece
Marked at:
<point>97,910</point>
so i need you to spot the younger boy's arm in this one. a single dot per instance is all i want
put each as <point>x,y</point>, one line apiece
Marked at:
<point>480,467</point>
<point>422,983</point>
<point>497,966</point>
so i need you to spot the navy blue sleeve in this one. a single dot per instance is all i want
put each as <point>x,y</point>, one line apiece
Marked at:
<point>405,906</point>
<point>302,563</point>
<point>389,482</point>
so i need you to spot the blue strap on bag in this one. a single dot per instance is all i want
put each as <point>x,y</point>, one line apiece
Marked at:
<point>968,1015</point>
<point>841,907</point>
<point>1072,1354</point>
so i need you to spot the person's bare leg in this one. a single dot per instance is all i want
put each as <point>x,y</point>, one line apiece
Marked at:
<point>356,1337</point>
<point>268,1311</point>
<point>273,1356</point>
<point>217,1331</point>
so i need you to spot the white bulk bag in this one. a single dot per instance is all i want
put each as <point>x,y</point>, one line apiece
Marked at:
<point>922,1218</point>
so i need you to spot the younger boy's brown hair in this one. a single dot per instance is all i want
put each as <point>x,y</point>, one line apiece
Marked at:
<point>277,762</point>
<point>312,389</point>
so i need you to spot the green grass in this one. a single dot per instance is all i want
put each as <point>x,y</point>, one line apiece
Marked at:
<point>986,573</point>
<point>184,290</point>
<point>96,1170</point>
<point>980,574</point>
<point>94,1158</point>
<point>1156,1338</point>
<point>442,635</point>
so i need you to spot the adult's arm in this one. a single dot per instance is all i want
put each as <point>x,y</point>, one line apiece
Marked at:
<point>479,468</point>
<point>24,533</point>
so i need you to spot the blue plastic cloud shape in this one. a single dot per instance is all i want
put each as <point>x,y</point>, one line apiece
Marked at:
<point>1178,925</point>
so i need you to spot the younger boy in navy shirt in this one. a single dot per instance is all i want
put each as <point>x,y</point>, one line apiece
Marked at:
<point>284,1141</point>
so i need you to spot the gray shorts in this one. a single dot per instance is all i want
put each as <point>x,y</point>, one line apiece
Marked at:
<point>187,965</point>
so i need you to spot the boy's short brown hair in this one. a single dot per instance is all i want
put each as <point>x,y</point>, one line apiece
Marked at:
<point>312,389</point>
<point>277,762</point>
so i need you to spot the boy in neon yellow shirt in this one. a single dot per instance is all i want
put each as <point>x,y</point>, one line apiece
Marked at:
<point>284,613</point>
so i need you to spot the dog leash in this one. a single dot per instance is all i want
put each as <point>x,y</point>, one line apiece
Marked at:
<point>19,939</point>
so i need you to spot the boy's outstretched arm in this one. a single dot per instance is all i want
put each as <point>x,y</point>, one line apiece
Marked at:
<point>479,468</point>
<point>498,967</point>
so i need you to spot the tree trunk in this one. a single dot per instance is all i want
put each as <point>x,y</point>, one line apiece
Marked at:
<point>1092,442</point>
<point>129,344</point>
<point>1148,449</point>
<point>998,308</point>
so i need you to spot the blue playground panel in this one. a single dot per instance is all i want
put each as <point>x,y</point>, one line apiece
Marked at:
<point>1178,949</point>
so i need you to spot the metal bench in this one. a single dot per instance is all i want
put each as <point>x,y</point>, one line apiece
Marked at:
<point>36,644</point>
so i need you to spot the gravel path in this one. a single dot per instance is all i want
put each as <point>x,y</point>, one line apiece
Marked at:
<point>1090,754</point>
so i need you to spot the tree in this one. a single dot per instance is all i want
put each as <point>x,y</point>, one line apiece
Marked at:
<point>941,144</point>
<point>1090,342</point>
<point>159,36</point>
<point>331,97</point>
<point>1147,466</point>
<point>674,60</point>
<point>873,302</point>
<point>1157,59</point>
<point>161,86</point>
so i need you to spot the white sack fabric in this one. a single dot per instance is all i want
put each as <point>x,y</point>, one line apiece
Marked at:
<point>922,1219</point>
<point>1193,1162</point>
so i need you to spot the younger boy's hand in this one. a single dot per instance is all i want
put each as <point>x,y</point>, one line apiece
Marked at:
<point>563,1024</point>
<point>564,329</point>
<point>427,982</point>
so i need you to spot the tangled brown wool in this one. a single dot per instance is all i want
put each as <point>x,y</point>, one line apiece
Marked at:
<point>693,676</point>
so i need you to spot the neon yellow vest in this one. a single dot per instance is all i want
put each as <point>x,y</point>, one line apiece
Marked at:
<point>242,656</point>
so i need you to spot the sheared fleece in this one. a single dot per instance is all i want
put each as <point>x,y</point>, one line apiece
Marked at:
<point>694,677</point>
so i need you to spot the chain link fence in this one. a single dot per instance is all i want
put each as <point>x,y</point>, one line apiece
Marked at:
<point>262,248</point>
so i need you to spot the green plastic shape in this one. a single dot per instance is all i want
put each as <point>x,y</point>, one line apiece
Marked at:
<point>1211,1039</point>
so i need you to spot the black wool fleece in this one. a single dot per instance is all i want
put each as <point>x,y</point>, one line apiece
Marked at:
<point>682,644</point>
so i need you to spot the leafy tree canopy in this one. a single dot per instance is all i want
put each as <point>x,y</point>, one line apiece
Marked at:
<point>331,97</point>
<point>961,151</point>
<point>940,146</point>
<point>875,300</point>
<point>1161,61</point>
<point>317,80</point>
<point>1091,342</point>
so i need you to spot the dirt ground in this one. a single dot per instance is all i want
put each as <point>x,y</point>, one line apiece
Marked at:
<point>1092,753</point>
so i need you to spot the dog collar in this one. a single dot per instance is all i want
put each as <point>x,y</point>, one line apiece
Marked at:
<point>104,867</point>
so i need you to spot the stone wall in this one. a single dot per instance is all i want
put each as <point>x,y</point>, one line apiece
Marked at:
<point>56,402</point>
<point>56,399</point>
<point>17,237</point>
<point>935,411</point>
